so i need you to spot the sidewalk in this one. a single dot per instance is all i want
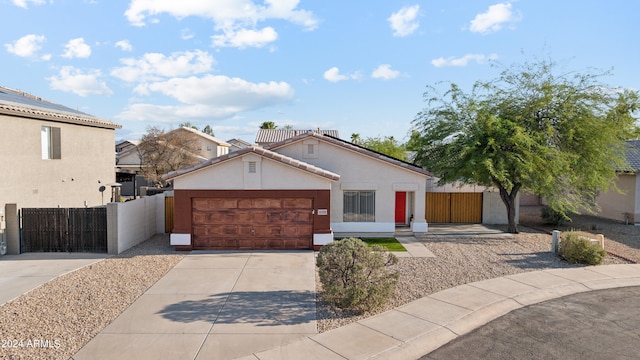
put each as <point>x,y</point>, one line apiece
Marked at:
<point>424,325</point>
<point>22,273</point>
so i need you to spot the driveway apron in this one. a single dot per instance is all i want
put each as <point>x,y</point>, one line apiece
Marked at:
<point>216,305</point>
<point>20,274</point>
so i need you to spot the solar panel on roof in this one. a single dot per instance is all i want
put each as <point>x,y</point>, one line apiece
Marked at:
<point>12,97</point>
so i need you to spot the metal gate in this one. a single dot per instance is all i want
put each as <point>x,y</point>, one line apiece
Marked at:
<point>453,207</point>
<point>63,230</point>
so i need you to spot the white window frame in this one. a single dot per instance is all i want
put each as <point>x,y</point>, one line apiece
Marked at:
<point>359,206</point>
<point>50,142</point>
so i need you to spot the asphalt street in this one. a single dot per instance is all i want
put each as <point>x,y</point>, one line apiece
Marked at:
<point>603,324</point>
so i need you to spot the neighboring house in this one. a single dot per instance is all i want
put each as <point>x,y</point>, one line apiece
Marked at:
<point>52,155</point>
<point>208,146</point>
<point>124,145</point>
<point>295,194</point>
<point>625,206</point>
<point>271,136</point>
<point>238,144</point>
<point>129,166</point>
<point>129,170</point>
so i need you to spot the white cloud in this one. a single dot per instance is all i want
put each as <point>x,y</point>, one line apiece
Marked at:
<point>493,19</point>
<point>463,61</point>
<point>245,38</point>
<point>186,34</point>
<point>229,17</point>
<point>208,97</point>
<point>76,48</point>
<point>24,3</point>
<point>404,22</point>
<point>155,66</point>
<point>26,46</point>
<point>221,90</point>
<point>124,45</point>
<point>81,83</point>
<point>333,75</point>
<point>384,72</point>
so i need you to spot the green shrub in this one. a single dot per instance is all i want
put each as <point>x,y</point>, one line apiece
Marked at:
<point>579,250</point>
<point>550,216</point>
<point>355,276</point>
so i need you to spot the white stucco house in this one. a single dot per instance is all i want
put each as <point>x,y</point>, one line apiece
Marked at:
<point>298,193</point>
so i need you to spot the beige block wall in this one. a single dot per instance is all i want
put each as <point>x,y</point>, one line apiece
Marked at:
<point>432,186</point>
<point>29,181</point>
<point>614,205</point>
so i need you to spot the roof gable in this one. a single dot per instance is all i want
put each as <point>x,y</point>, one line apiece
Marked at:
<point>239,143</point>
<point>268,136</point>
<point>351,147</point>
<point>260,152</point>
<point>204,136</point>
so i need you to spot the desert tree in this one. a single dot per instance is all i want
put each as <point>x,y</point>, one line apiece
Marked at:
<point>387,145</point>
<point>161,152</point>
<point>559,135</point>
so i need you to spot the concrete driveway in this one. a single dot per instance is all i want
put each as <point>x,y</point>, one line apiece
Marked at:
<point>216,305</point>
<point>20,274</point>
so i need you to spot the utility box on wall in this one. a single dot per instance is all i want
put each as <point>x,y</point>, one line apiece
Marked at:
<point>11,231</point>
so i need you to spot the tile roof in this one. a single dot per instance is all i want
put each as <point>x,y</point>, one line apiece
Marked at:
<point>353,147</point>
<point>206,136</point>
<point>268,136</point>
<point>238,143</point>
<point>258,151</point>
<point>633,154</point>
<point>18,103</point>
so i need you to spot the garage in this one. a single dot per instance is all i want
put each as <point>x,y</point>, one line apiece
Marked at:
<point>251,199</point>
<point>252,223</point>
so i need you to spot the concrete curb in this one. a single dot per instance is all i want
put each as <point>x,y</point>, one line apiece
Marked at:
<point>422,326</point>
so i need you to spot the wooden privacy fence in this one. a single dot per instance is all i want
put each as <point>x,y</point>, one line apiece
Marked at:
<point>63,230</point>
<point>453,207</point>
<point>168,214</point>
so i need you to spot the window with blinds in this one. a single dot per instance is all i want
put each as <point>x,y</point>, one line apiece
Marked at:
<point>359,206</point>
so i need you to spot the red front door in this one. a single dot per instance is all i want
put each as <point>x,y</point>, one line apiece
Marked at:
<point>401,207</point>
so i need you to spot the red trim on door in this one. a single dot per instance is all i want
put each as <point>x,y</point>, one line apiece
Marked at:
<point>401,207</point>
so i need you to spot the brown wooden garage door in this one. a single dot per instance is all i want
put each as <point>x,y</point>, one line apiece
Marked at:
<point>252,223</point>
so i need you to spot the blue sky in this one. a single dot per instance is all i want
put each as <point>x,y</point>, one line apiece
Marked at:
<point>355,66</point>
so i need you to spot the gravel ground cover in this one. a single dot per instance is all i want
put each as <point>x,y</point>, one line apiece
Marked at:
<point>620,239</point>
<point>461,260</point>
<point>56,319</point>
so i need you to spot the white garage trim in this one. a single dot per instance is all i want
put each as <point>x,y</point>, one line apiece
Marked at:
<point>180,239</point>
